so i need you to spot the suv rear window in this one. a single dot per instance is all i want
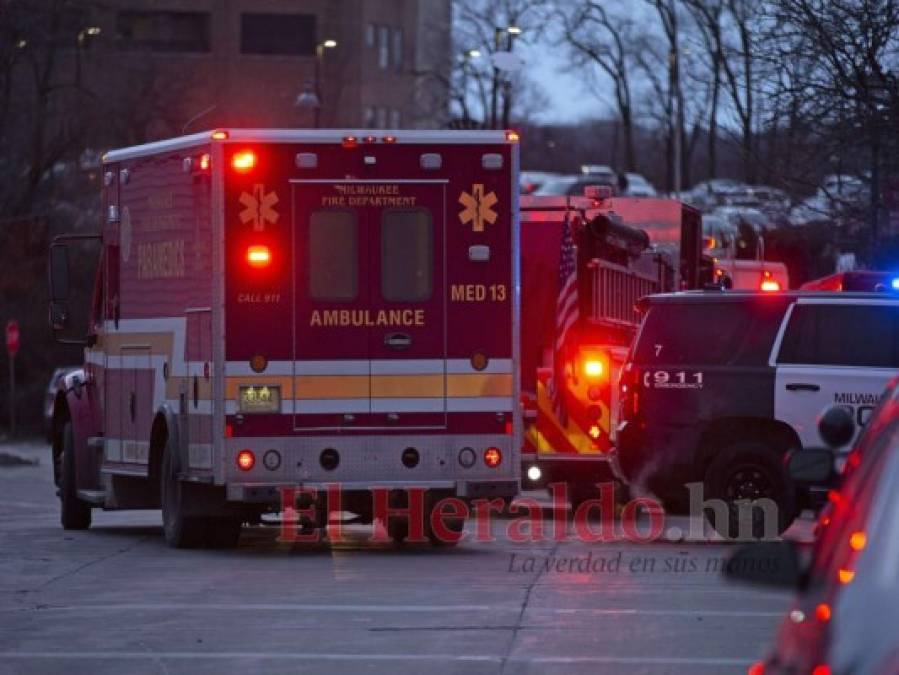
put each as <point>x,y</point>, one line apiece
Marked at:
<point>709,333</point>
<point>842,335</point>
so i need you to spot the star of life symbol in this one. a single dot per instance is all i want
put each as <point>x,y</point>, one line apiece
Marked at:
<point>259,207</point>
<point>478,207</point>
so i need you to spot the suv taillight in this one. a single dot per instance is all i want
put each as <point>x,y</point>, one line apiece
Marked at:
<point>629,394</point>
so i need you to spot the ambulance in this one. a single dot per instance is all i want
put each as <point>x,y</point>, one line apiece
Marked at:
<point>324,311</point>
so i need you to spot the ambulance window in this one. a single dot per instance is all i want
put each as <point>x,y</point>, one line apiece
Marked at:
<point>333,260</point>
<point>407,255</point>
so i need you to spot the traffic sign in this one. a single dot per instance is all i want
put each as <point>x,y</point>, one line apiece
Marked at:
<point>12,337</point>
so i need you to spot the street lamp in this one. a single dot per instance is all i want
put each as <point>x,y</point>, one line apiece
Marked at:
<point>510,32</point>
<point>319,58</point>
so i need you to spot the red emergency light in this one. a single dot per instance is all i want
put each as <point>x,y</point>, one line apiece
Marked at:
<point>259,256</point>
<point>769,284</point>
<point>243,161</point>
<point>349,141</point>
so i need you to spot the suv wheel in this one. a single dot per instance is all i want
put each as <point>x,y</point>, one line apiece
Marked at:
<point>741,474</point>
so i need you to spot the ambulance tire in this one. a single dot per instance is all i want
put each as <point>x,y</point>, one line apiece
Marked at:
<point>223,533</point>
<point>74,514</point>
<point>749,470</point>
<point>179,530</point>
<point>454,525</point>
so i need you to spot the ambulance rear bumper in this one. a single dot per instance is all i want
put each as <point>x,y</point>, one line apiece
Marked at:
<point>271,493</point>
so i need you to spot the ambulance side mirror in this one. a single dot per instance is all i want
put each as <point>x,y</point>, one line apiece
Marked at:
<point>59,286</point>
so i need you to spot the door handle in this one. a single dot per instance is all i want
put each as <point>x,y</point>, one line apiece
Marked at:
<point>802,386</point>
<point>132,405</point>
<point>398,340</point>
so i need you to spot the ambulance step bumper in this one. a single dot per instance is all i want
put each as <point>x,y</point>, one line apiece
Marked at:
<point>271,493</point>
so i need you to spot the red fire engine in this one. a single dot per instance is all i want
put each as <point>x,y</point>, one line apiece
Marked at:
<point>625,248</point>
<point>296,308</point>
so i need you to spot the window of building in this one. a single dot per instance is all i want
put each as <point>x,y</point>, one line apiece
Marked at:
<point>397,48</point>
<point>286,34</point>
<point>370,32</point>
<point>381,118</point>
<point>407,255</point>
<point>384,47</point>
<point>394,119</point>
<point>333,255</point>
<point>368,117</point>
<point>163,31</point>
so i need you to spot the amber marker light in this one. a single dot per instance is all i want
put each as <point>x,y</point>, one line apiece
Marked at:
<point>858,540</point>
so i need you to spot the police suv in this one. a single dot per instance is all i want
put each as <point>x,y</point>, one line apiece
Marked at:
<point>721,385</point>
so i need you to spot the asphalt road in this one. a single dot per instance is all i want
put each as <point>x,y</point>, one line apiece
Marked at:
<point>114,599</point>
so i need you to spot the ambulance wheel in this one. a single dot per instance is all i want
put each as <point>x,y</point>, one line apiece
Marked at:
<point>223,532</point>
<point>74,514</point>
<point>749,471</point>
<point>179,530</point>
<point>455,526</point>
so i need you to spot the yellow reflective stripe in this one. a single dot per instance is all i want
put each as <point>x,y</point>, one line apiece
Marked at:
<point>479,384</point>
<point>466,385</point>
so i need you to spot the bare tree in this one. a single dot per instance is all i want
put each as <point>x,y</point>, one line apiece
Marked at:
<point>608,42</point>
<point>707,15</point>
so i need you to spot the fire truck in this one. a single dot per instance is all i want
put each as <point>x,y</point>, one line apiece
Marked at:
<point>626,248</point>
<point>334,312</point>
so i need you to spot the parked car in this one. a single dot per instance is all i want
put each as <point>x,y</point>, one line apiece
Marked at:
<point>572,185</point>
<point>638,186</point>
<point>531,180</point>
<point>845,615</point>
<point>50,397</point>
<point>719,386</point>
<point>712,193</point>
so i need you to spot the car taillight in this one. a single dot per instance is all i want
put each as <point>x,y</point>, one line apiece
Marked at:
<point>757,668</point>
<point>629,395</point>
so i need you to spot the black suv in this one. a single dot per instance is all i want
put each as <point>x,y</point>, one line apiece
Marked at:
<point>720,385</point>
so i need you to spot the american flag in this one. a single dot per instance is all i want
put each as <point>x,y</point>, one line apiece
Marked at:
<point>566,311</point>
<point>566,305</point>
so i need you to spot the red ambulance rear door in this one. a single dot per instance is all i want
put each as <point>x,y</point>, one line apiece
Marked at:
<point>370,340</point>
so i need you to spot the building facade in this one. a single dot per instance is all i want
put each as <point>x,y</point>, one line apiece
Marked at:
<point>169,66</point>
